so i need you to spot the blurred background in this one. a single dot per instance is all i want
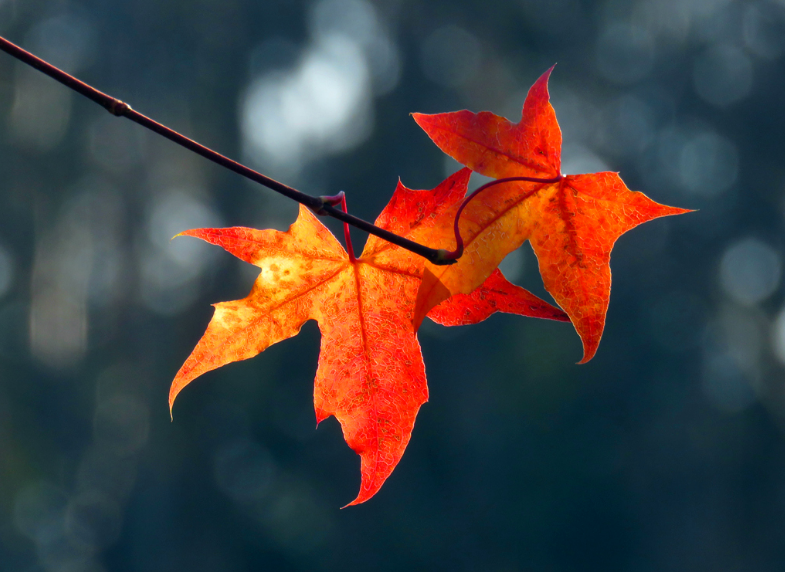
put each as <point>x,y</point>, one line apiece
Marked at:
<point>666,452</point>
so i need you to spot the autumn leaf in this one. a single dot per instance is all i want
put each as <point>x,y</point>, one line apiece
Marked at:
<point>572,221</point>
<point>496,294</point>
<point>370,375</point>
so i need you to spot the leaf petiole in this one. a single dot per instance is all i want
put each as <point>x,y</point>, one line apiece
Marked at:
<point>458,252</point>
<point>340,199</point>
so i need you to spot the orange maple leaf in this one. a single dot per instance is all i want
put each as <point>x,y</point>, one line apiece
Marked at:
<point>371,375</point>
<point>572,221</point>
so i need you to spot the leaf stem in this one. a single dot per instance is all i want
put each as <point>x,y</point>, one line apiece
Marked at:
<point>458,252</point>
<point>340,199</point>
<point>122,109</point>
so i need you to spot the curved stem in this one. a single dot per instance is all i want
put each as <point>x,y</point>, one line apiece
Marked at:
<point>121,109</point>
<point>458,252</point>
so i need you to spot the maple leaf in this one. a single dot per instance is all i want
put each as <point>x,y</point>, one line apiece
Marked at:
<point>370,375</point>
<point>496,294</point>
<point>572,221</point>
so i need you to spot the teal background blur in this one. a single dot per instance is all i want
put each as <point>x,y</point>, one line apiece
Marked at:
<point>665,452</point>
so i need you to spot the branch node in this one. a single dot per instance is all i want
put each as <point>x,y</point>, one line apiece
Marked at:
<point>118,108</point>
<point>328,200</point>
<point>444,257</point>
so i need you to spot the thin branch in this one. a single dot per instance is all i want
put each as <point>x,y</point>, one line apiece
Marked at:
<point>121,109</point>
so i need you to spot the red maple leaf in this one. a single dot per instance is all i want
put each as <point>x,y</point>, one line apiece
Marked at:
<point>496,294</point>
<point>572,221</point>
<point>371,375</point>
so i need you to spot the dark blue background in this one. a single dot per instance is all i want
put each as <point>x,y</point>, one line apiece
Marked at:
<point>665,452</point>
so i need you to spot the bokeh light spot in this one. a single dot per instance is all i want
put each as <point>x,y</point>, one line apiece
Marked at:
<point>750,271</point>
<point>725,386</point>
<point>722,75</point>
<point>708,164</point>
<point>93,520</point>
<point>764,29</point>
<point>321,107</point>
<point>6,271</point>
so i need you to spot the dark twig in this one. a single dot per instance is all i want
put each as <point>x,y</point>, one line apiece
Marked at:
<point>316,204</point>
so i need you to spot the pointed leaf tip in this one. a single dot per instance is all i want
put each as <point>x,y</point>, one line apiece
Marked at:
<point>494,295</point>
<point>539,90</point>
